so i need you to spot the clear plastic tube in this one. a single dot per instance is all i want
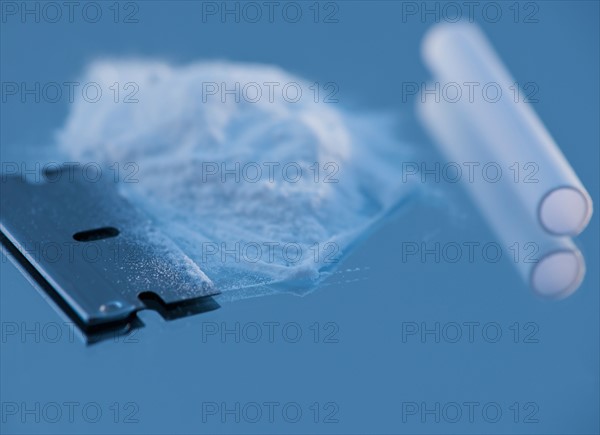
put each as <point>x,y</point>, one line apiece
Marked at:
<point>507,126</point>
<point>551,265</point>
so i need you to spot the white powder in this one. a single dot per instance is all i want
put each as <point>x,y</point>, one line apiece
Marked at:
<point>178,130</point>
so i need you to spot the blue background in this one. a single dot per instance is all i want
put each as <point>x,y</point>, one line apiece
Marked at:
<point>170,369</point>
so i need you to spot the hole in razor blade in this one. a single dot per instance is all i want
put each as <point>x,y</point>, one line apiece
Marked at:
<point>96,234</point>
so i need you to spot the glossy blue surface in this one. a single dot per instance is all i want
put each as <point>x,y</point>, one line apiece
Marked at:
<point>355,368</point>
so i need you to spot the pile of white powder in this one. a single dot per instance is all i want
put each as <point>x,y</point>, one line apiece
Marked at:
<point>265,188</point>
